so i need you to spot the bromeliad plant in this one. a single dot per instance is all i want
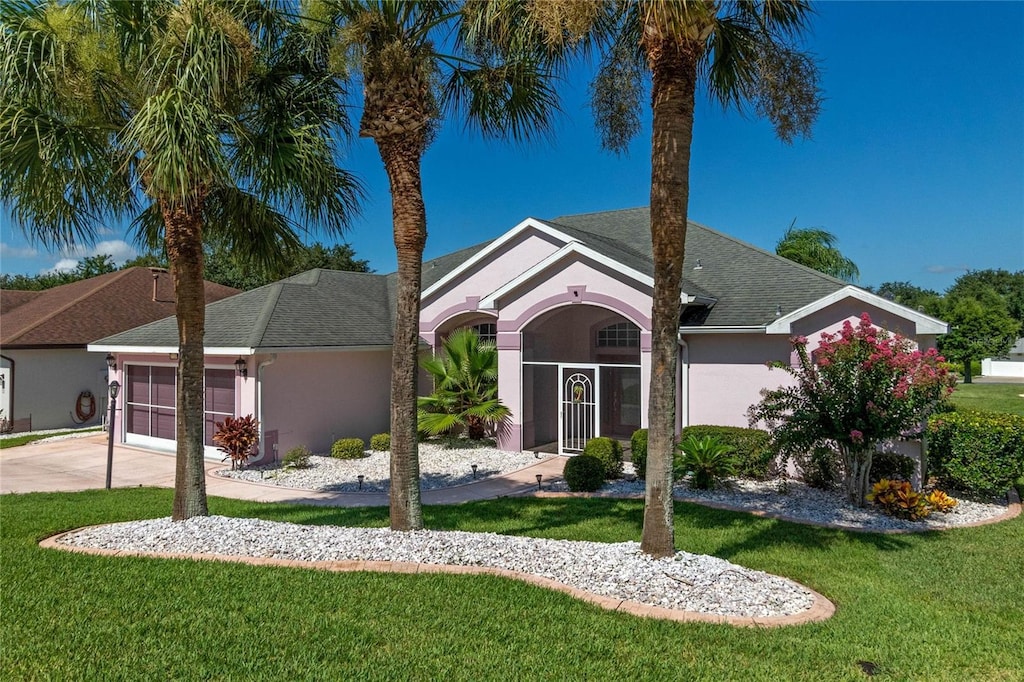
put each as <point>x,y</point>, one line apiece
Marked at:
<point>897,498</point>
<point>465,388</point>
<point>863,386</point>
<point>237,438</point>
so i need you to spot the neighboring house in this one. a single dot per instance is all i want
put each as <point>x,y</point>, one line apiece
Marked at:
<point>1010,365</point>
<point>48,379</point>
<point>567,302</point>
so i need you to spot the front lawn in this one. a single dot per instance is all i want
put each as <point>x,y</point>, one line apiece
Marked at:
<point>936,606</point>
<point>25,439</point>
<point>991,397</point>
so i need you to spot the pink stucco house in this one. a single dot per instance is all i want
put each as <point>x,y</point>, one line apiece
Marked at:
<point>567,302</point>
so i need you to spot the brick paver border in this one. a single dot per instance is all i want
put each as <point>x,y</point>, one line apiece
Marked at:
<point>821,609</point>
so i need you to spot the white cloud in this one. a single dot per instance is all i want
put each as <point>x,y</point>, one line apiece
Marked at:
<point>17,251</point>
<point>118,249</point>
<point>63,265</point>
<point>943,269</point>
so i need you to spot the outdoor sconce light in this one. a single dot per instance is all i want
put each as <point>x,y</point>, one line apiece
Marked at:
<point>360,479</point>
<point>111,362</point>
<point>474,470</point>
<point>241,368</point>
<point>539,476</point>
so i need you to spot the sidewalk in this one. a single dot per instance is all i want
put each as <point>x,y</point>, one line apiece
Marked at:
<point>81,464</point>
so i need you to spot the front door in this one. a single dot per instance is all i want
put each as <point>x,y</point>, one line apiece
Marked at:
<point>578,423</point>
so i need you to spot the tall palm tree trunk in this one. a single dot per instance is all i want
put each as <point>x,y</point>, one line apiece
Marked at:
<point>673,66</point>
<point>183,230</point>
<point>401,156</point>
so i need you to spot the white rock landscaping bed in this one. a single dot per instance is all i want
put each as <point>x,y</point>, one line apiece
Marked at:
<point>686,582</point>
<point>440,467</point>
<point>800,502</point>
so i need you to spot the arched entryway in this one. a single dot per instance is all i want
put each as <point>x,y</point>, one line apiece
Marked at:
<point>581,378</point>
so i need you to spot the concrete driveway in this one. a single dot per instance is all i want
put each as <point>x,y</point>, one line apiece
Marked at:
<point>77,464</point>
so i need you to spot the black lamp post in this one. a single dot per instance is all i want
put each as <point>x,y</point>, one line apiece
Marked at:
<point>115,387</point>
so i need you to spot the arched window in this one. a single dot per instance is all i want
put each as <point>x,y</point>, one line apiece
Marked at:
<point>488,331</point>
<point>619,335</point>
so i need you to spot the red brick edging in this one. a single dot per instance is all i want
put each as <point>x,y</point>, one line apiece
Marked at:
<point>1013,510</point>
<point>821,609</point>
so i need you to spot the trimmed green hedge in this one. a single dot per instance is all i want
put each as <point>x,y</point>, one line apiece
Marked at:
<point>753,449</point>
<point>348,448</point>
<point>976,451</point>
<point>638,452</point>
<point>584,473</point>
<point>380,442</point>
<point>609,452</point>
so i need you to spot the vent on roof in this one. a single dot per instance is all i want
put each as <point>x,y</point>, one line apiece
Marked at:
<point>778,310</point>
<point>698,266</point>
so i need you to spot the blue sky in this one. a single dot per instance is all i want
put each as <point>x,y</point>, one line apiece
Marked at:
<point>916,163</point>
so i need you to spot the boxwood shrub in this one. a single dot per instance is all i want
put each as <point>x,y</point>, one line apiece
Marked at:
<point>638,452</point>
<point>348,448</point>
<point>752,448</point>
<point>584,473</point>
<point>609,452</point>
<point>380,442</point>
<point>976,451</point>
<point>297,457</point>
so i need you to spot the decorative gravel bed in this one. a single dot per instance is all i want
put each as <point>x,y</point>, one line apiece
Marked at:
<point>687,582</point>
<point>801,502</point>
<point>440,467</point>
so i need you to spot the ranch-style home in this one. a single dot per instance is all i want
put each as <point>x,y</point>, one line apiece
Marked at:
<point>567,301</point>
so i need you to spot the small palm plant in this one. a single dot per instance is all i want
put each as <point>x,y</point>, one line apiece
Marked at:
<point>707,459</point>
<point>465,388</point>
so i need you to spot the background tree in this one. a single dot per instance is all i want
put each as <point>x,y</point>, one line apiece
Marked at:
<point>816,248</point>
<point>980,326</point>
<point>905,293</point>
<point>1007,285</point>
<point>196,117</point>
<point>746,55</point>
<point>89,266</point>
<point>420,62</point>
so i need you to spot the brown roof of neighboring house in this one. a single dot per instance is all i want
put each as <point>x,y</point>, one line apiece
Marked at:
<point>76,314</point>
<point>12,298</point>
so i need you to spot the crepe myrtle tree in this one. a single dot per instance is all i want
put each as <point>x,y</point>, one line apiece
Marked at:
<point>862,386</point>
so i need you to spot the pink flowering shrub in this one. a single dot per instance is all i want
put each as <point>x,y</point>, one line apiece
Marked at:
<point>863,386</point>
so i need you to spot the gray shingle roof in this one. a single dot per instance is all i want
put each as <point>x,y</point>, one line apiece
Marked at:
<point>328,308</point>
<point>747,282</point>
<point>318,308</point>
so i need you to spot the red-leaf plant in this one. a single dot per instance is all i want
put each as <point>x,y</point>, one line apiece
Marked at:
<point>237,438</point>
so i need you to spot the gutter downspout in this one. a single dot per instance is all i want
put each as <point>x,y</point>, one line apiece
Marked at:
<point>259,404</point>
<point>683,390</point>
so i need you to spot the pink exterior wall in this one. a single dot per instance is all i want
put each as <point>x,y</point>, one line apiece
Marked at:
<point>831,319</point>
<point>314,398</point>
<point>727,373</point>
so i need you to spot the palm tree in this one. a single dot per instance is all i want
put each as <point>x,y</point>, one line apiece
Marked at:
<point>420,61</point>
<point>816,248</point>
<point>465,388</point>
<point>744,54</point>
<point>194,117</point>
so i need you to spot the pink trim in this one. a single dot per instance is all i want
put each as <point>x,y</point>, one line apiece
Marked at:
<point>511,440</point>
<point>509,341</point>
<point>560,300</point>
<point>470,305</point>
<point>645,342</point>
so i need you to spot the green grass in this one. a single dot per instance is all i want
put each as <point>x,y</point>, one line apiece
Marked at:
<point>16,441</point>
<point>992,397</point>
<point>935,606</point>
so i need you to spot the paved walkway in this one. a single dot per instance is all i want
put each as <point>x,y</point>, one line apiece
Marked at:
<point>81,463</point>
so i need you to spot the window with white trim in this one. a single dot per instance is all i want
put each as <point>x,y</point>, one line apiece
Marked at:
<point>619,335</point>
<point>488,331</point>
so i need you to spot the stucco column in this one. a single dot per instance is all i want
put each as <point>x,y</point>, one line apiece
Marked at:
<point>645,376</point>
<point>510,388</point>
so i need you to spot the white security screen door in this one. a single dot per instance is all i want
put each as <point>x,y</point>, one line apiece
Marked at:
<point>578,414</point>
